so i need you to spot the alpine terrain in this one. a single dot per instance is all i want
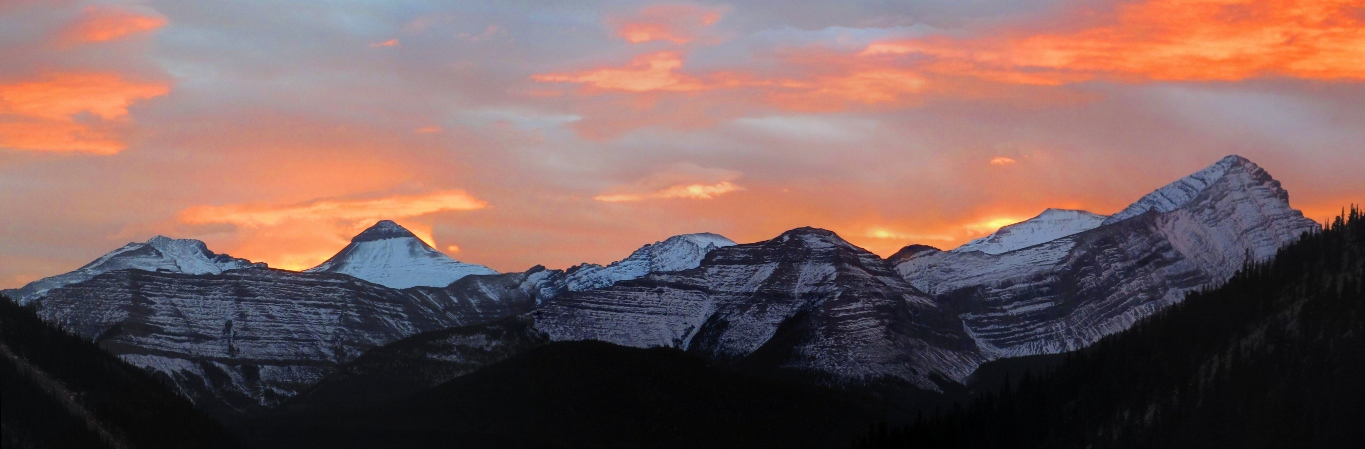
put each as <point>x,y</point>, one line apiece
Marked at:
<point>388,254</point>
<point>389,317</point>
<point>237,337</point>
<point>1017,294</point>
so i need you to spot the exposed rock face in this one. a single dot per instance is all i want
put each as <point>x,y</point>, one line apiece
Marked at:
<point>677,253</point>
<point>241,339</point>
<point>388,254</point>
<point>246,339</point>
<point>479,299</point>
<point>1066,293</point>
<point>806,300</point>
<point>157,254</point>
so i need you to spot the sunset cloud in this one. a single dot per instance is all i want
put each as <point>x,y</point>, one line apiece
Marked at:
<point>888,234</point>
<point>878,120</point>
<point>1165,40</point>
<point>104,23</point>
<point>1153,40</point>
<point>677,181</point>
<point>676,23</point>
<point>299,236</point>
<point>44,114</point>
<point>354,210</point>
<point>1001,160</point>
<point>985,226</point>
<point>852,82</point>
<point>688,191</point>
<point>650,72</point>
<point>387,43</point>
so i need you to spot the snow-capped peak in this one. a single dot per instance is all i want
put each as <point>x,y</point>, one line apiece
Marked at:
<point>388,254</point>
<point>158,253</point>
<point>1050,225</point>
<point>677,253</point>
<point>1176,194</point>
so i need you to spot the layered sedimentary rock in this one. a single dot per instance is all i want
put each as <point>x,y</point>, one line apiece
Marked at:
<point>1066,293</point>
<point>806,300</point>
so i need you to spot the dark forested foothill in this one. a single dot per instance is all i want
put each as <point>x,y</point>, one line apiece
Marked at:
<point>1275,357</point>
<point>589,395</point>
<point>62,391</point>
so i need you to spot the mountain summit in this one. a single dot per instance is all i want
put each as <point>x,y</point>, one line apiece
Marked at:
<point>676,253</point>
<point>1050,225</point>
<point>159,253</point>
<point>1064,293</point>
<point>1176,194</point>
<point>388,254</point>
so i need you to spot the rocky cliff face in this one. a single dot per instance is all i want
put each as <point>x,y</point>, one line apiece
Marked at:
<point>238,340</point>
<point>1066,293</point>
<point>242,340</point>
<point>806,300</point>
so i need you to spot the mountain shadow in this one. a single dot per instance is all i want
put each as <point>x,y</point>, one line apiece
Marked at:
<point>1275,357</point>
<point>62,391</point>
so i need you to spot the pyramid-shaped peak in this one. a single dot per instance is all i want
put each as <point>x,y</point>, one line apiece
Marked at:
<point>383,230</point>
<point>1176,194</point>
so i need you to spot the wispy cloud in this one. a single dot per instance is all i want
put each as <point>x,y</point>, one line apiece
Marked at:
<point>677,181</point>
<point>387,43</point>
<point>1163,40</point>
<point>298,236</point>
<point>346,210</point>
<point>105,23</point>
<point>650,72</point>
<point>687,191</point>
<point>676,23</point>
<point>1001,160</point>
<point>884,233</point>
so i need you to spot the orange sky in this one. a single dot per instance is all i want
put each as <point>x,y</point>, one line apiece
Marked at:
<point>571,133</point>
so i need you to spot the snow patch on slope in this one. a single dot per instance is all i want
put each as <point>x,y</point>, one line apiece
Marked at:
<point>677,253</point>
<point>1176,194</point>
<point>1050,225</point>
<point>159,253</point>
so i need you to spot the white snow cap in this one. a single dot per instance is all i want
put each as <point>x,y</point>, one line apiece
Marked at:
<point>1050,225</point>
<point>159,253</point>
<point>677,253</point>
<point>388,254</point>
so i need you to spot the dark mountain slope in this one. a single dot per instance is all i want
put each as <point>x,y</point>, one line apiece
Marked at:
<point>1273,358</point>
<point>591,394</point>
<point>417,363</point>
<point>61,391</point>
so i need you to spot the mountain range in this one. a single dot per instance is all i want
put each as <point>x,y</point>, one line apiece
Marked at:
<point>238,337</point>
